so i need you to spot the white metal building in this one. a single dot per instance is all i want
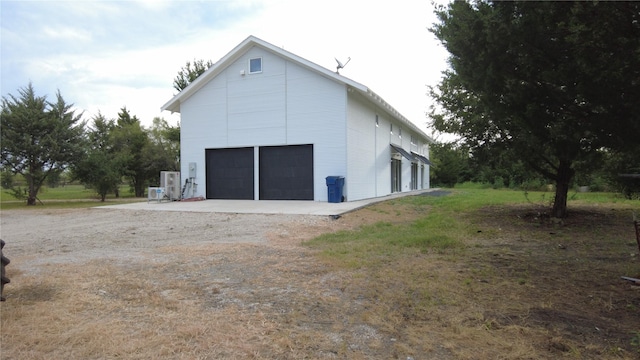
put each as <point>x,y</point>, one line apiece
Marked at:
<point>266,124</point>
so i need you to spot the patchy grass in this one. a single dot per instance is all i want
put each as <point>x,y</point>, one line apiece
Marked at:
<point>487,274</point>
<point>476,274</point>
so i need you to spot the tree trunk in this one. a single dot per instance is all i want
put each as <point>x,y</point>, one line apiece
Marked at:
<point>565,174</point>
<point>32,193</point>
<point>138,186</point>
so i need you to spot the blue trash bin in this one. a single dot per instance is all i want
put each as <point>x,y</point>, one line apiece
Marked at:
<point>334,188</point>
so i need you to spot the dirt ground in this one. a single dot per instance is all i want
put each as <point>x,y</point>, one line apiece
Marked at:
<point>98,283</point>
<point>249,270</point>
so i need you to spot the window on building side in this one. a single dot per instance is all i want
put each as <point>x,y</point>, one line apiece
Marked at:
<point>391,129</point>
<point>255,65</point>
<point>377,121</point>
<point>400,133</point>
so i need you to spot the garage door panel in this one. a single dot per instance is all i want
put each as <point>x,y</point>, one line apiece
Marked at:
<point>230,173</point>
<point>286,172</point>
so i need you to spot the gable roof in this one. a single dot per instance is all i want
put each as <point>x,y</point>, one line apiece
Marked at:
<point>173,105</point>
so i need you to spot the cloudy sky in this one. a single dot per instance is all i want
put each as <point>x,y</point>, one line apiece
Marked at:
<point>103,55</point>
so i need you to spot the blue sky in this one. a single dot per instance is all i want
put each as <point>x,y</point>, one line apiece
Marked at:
<point>103,55</point>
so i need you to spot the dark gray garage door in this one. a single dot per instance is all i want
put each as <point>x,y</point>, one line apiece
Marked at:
<point>286,172</point>
<point>230,173</point>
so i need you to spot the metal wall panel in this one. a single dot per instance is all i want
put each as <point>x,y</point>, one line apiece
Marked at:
<point>361,176</point>
<point>256,102</point>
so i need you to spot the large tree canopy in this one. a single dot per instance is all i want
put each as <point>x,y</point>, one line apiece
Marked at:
<point>551,82</point>
<point>39,138</point>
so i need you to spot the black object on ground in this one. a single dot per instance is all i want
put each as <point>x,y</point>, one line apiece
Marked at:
<point>3,279</point>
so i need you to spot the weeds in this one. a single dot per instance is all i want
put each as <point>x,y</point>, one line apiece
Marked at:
<point>472,255</point>
<point>635,340</point>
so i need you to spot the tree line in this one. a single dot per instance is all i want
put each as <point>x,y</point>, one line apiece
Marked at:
<point>454,163</point>
<point>42,139</point>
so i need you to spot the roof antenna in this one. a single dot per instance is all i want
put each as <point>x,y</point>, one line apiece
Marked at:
<point>341,65</point>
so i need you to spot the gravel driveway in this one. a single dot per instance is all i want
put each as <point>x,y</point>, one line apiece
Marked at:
<point>77,235</point>
<point>235,268</point>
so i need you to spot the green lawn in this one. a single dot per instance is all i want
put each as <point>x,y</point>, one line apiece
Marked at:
<point>442,227</point>
<point>69,196</point>
<point>488,274</point>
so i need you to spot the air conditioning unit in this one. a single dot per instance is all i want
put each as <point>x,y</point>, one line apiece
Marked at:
<point>170,181</point>
<point>156,194</point>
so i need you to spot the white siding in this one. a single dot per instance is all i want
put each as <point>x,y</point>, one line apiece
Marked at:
<point>316,114</point>
<point>406,171</point>
<point>383,157</point>
<point>426,183</point>
<point>206,127</point>
<point>369,152</point>
<point>256,102</point>
<point>361,161</point>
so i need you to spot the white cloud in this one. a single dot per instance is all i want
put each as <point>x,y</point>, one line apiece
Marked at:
<point>66,33</point>
<point>153,5</point>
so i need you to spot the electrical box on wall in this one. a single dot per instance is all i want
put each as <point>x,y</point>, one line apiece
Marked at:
<point>192,170</point>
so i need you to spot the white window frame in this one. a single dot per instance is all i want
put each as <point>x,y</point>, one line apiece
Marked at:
<point>255,72</point>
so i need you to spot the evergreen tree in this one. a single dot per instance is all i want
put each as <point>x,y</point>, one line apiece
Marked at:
<point>39,138</point>
<point>101,168</point>
<point>190,72</point>
<point>129,141</point>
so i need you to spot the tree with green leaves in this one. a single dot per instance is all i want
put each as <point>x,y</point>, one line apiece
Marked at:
<point>450,164</point>
<point>38,137</point>
<point>129,141</point>
<point>101,168</point>
<point>549,82</point>
<point>623,171</point>
<point>6,179</point>
<point>163,150</point>
<point>190,72</point>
